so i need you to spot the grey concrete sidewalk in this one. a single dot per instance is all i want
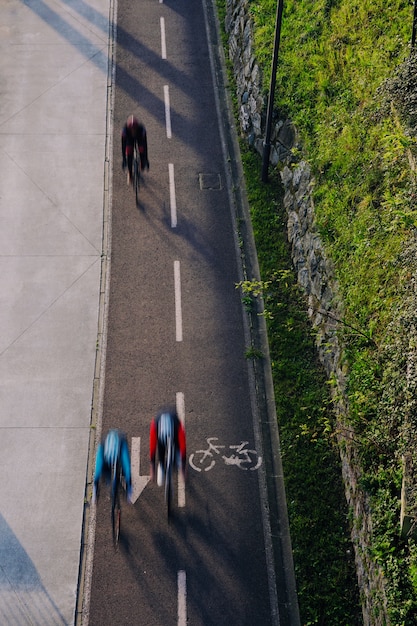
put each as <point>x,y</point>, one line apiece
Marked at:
<point>53,89</point>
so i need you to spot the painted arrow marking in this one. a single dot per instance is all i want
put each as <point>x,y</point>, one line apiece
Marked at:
<point>138,482</point>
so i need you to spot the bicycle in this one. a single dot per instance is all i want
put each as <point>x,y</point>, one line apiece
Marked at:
<point>242,457</point>
<point>169,461</point>
<point>136,172</point>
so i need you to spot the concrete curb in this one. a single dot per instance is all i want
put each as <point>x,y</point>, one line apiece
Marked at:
<point>89,519</point>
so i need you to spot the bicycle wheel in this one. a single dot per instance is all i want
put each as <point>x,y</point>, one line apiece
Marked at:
<point>116,515</point>
<point>202,460</point>
<point>168,492</point>
<point>168,479</point>
<point>116,512</point>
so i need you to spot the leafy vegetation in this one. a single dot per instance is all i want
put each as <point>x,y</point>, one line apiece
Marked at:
<point>348,81</point>
<point>323,555</point>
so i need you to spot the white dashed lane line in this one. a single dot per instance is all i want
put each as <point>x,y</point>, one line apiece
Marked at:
<point>163,40</point>
<point>182,577</point>
<point>172,195</point>
<point>178,308</point>
<point>182,598</point>
<point>167,112</point>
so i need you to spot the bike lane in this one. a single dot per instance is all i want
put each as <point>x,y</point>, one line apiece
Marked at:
<point>175,330</point>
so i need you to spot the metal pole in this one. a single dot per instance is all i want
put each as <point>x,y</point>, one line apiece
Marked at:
<point>413,36</point>
<point>267,142</point>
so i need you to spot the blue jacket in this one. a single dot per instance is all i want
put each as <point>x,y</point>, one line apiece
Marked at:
<point>114,447</point>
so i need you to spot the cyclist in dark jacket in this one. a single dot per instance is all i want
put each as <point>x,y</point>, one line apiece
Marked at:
<point>165,426</point>
<point>134,132</point>
<point>113,449</point>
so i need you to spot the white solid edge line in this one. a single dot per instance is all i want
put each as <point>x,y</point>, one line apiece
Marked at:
<point>178,311</point>
<point>182,598</point>
<point>181,415</point>
<point>167,112</point>
<point>163,40</point>
<point>172,196</point>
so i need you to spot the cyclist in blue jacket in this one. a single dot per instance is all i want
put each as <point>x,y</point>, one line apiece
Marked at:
<point>114,448</point>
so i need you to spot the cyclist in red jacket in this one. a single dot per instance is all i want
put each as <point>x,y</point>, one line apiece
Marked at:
<point>164,427</point>
<point>134,133</point>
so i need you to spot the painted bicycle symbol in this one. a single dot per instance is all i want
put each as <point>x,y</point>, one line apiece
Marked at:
<point>241,456</point>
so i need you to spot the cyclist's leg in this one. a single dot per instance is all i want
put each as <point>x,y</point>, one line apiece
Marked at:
<point>143,159</point>
<point>98,470</point>
<point>99,462</point>
<point>153,442</point>
<point>161,452</point>
<point>129,154</point>
<point>136,174</point>
<point>125,463</point>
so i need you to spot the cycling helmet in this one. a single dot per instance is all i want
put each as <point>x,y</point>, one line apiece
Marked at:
<point>165,428</point>
<point>132,122</point>
<point>112,447</point>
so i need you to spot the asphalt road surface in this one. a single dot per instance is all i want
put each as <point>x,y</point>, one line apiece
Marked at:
<point>176,335</point>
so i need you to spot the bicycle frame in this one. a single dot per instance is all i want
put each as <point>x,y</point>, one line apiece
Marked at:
<point>168,475</point>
